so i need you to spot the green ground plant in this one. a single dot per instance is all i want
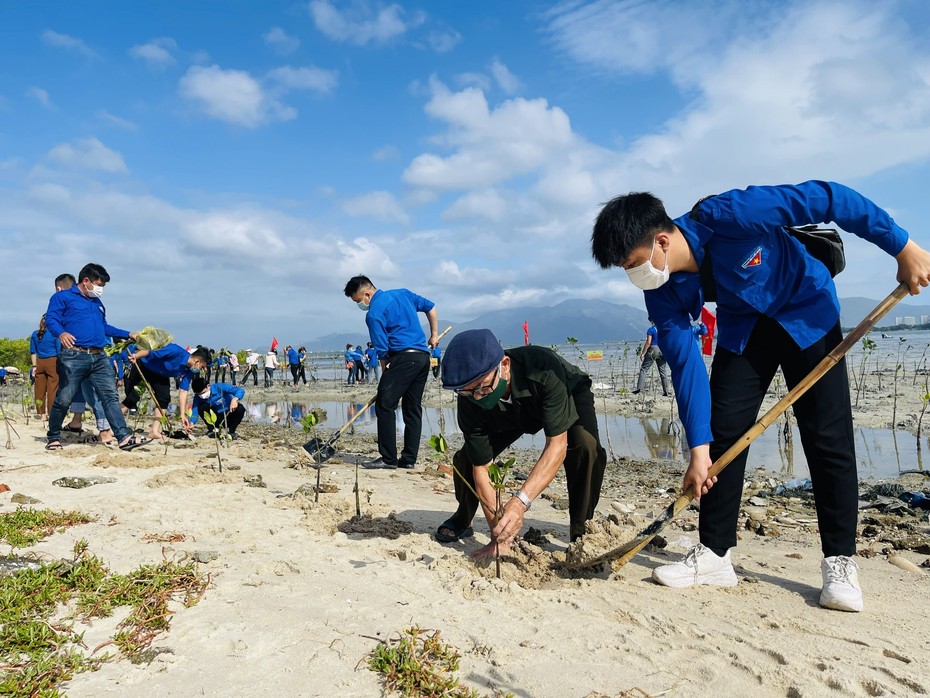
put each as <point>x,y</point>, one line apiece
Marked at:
<point>309,422</point>
<point>39,646</point>
<point>419,664</point>
<point>209,416</point>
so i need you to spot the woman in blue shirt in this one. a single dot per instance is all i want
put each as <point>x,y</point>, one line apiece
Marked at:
<point>43,347</point>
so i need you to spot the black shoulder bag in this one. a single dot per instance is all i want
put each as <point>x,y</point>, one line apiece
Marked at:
<point>823,244</point>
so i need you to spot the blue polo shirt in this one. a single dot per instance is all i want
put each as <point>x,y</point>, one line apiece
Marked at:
<point>760,270</point>
<point>171,361</point>
<point>654,333</point>
<point>392,321</point>
<point>221,396</point>
<point>292,357</point>
<point>86,318</point>
<point>371,357</point>
<point>44,348</point>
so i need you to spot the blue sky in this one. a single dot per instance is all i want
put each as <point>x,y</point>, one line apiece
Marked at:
<point>232,164</point>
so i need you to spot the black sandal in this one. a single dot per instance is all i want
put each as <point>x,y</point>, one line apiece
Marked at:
<point>133,442</point>
<point>456,535</point>
<point>53,446</point>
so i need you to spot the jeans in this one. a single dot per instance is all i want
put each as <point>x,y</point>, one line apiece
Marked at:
<point>374,372</point>
<point>74,367</point>
<point>96,406</point>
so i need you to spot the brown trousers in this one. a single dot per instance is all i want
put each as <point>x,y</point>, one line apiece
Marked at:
<point>46,386</point>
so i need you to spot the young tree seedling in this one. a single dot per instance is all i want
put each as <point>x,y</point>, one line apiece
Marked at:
<point>498,473</point>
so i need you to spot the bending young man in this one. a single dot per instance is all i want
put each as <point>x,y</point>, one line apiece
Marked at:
<point>777,306</point>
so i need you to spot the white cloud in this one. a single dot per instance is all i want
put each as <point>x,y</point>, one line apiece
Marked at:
<point>281,41</point>
<point>305,78</point>
<point>485,203</point>
<point>380,205</point>
<point>364,256</point>
<point>822,89</point>
<point>157,52</point>
<point>479,80</point>
<point>70,43</point>
<point>233,96</point>
<point>387,152</point>
<point>115,120</point>
<point>244,232</point>
<point>506,80</point>
<point>362,22</point>
<point>87,154</point>
<point>41,96</point>
<point>444,40</point>
<point>491,145</point>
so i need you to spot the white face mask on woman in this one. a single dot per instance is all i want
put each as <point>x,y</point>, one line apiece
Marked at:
<point>647,277</point>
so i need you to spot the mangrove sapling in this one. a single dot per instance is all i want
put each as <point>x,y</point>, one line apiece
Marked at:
<point>209,416</point>
<point>917,368</point>
<point>309,422</point>
<point>924,398</point>
<point>868,346</point>
<point>6,420</point>
<point>498,473</point>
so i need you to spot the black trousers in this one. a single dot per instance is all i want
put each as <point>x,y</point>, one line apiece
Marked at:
<point>227,420</point>
<point>295,371</point>
<point>403,382</point>
<point>824,417</point>
<point>585,461</point>
<point>161,386</point>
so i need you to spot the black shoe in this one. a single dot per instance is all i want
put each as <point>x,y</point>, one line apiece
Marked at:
<point>636,392</point>
<point>378,464</point>
<point>407,466</point>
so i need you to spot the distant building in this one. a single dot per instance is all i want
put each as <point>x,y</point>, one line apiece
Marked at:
<point>924,319</point>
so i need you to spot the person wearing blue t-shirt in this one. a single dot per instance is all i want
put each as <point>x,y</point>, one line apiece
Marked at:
<point>651,354</point>
<point>158,367</point>
<point>293,362</point>
<point>436,361</point>
<point>43,349</point>
<point>223,399</point>
<point>302,365</point>
<point>372,364</point>
<point>2,375</point>
<point>395,332</point>
<point>79,320</point>
<point>777,307</point>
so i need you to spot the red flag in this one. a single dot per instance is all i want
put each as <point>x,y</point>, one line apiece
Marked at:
<point>526,333</point>
<point>274,343</point>
<point>707,341</point>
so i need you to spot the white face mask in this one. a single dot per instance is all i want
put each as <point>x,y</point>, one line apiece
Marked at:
<point>205,394</point>
<point>647,277</point>
<point>96,291</point>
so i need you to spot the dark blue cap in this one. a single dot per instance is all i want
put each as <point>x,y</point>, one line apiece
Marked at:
<point>470,355</point>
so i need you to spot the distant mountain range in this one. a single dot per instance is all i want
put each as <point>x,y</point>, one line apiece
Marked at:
<point>590,322</point>
<point>593,322</point>
<point>852,310</point>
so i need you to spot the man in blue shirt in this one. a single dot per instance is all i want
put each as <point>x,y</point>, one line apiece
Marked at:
<point>372,364</point>
<point>293,361</point>
<point>79,320</point>
<point>224,399</point>
<point>650,355</point>
<point>397,338</point>
<point>777,307</point>
<point>159,366</point>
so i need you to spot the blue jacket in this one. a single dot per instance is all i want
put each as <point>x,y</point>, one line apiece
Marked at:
<point>292,357</point>
<point>171,361</point>
<point>44,348</point>
<point>759,270</point>
<point>221,395</point>
<point>85,318</point>
<point>371,357</point>
<point>392,321</point>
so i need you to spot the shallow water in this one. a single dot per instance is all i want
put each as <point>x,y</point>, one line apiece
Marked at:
<point>880,453</point>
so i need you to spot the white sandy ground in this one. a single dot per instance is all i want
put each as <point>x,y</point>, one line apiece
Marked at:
<point>293,607</point>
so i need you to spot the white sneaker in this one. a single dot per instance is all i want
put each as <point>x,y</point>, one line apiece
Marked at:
<point>700,566</point>
<point>841,590</point>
